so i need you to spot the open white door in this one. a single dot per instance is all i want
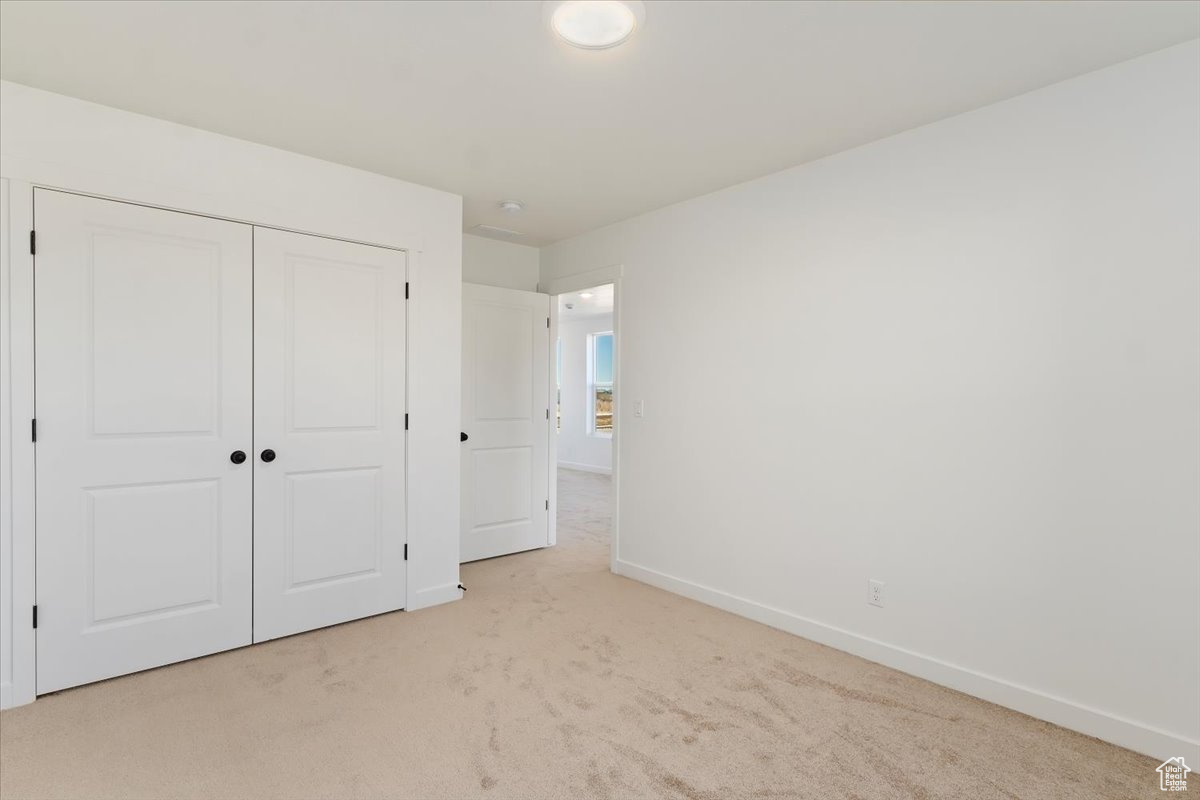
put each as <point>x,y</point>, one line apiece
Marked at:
<point>329,460</point>
<point>143,404</point>
<point>505,471</point>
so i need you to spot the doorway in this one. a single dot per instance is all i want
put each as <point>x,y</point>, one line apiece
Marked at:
<point>522,392</point>
<point>586,419</point>
<point>584,349</point>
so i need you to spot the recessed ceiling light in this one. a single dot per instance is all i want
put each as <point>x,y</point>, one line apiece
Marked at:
<point>594,24</point>
<point>586,295</point>
<point>511,206</point>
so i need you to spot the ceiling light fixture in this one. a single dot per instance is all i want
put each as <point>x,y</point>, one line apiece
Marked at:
<point>586,295</point>
<point>511,206</point>
<point>594,24</point>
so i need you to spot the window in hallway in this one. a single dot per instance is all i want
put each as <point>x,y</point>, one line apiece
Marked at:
<point>600,384</point>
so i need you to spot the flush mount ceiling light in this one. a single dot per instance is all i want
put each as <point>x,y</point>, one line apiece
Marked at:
<point>586,295</point>
<point>511,206</point>
<point>594,24</point>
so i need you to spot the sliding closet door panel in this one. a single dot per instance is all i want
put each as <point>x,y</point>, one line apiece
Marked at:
<point>329,532</point>
<point>144,382</point>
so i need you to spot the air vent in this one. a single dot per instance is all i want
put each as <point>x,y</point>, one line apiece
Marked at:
<point>492,230</point>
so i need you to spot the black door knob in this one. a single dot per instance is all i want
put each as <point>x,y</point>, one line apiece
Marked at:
<point>462,437</point>
<point>237,456</point>
<point>268,456</point>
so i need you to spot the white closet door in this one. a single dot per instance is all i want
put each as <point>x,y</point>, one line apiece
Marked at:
<point>329,356</point>
<point>143,323</point>
<point>505,467</point>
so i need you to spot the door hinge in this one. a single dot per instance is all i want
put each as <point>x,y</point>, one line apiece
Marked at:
<point>406,290</point>
<point>547,505</point>
<point>35,616</point>
<point>33,430</point>
<point>547,413</point>
<point>405,420</point>
<point>547,322</point>
<point>406,551</point>
<point>33,243</point>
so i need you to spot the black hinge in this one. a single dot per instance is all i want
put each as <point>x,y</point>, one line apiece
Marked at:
<point>406,551</point>
<point>406,290</point>
<point>33,243</point>
<point>35,616</point>
<point>547,322</point>
<point>33,430</point>
<point>547,505</point>
<point>406,420</point>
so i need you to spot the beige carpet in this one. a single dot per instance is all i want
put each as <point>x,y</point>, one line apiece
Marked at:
<point>552,679</point>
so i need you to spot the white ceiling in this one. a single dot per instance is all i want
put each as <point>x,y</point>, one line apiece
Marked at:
<point>479,99</point>
<point>599,304</point>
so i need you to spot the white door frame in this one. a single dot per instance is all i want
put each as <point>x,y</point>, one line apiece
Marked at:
<point>18,470</point>
<point>566,285</point>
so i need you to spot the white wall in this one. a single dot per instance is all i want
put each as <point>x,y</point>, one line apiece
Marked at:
<point>577,449</point>
<point>495,263</point>
<point>58,141</point>
<point>964,360</point>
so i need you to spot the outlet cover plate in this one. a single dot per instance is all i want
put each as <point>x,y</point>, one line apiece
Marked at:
<point>875,593</point>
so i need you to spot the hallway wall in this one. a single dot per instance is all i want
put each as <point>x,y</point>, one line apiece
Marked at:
<point>578,449</point>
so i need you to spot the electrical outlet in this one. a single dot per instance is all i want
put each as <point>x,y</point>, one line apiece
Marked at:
<point>875,593</point>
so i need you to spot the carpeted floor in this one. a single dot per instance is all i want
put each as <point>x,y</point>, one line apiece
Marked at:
<point>552,679</point>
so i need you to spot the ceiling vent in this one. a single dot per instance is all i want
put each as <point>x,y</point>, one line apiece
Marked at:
<point>492,230</point>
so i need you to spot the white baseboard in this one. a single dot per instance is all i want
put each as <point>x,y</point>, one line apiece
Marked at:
<point>585,467</point>
<point>435,596</point>
<point>1127,733</point>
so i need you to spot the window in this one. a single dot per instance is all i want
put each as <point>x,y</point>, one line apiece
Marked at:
<point>600,384</point>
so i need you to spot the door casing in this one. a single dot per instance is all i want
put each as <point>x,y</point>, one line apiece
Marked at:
<point>567,284</point>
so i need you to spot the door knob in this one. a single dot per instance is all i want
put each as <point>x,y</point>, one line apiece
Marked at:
<point>462,437</point>
<point>237,456</point>
<point>268,455</point>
